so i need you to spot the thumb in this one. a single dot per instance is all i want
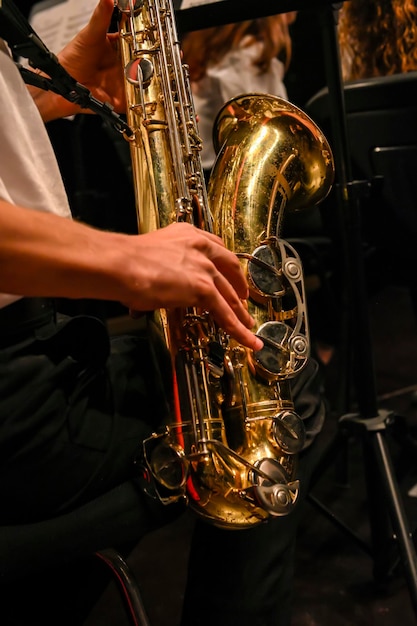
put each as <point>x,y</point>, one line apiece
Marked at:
<point>98,25</point>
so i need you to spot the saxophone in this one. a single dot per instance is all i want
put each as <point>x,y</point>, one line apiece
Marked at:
<point>232,442</point>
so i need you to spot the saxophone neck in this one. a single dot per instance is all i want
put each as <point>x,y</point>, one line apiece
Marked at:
<point>165,145</point>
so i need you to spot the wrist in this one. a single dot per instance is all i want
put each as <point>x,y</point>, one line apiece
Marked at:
<point>51,105</point>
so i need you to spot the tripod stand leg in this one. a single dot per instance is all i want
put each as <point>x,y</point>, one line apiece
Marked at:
<point>386,509</point>
<point>403,535</point>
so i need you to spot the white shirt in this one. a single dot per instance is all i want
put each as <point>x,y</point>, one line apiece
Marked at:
<point>234,75</point>
<point>29,172</point>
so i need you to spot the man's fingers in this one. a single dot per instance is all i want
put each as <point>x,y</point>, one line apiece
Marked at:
<point>232,315</point>
<point>227,319</point>
<point>232,300</point>
<point>227,263</point>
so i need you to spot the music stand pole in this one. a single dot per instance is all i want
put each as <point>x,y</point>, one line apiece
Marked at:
<point>386,510</point>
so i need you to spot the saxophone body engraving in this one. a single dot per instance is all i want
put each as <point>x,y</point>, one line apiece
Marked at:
<point>231,447</point>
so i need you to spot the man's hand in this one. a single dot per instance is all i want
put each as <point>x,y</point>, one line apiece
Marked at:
<point>181,265</point>
<point>92,58</point>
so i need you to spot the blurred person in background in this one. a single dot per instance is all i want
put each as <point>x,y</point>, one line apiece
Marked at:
<point>229,60</point>
<point>377,38</point>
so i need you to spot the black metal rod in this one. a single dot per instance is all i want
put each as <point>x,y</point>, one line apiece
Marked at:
<point>357,354</point>
<point>341,525</point>
<point>401,529</point>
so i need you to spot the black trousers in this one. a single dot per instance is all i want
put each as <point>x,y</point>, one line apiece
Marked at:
<point>75,407</point>
<point>245,577</point>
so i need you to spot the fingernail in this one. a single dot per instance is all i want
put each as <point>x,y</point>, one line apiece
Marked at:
<point>259,344</point>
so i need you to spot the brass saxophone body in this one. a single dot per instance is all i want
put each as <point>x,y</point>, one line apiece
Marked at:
<point>232,444</point>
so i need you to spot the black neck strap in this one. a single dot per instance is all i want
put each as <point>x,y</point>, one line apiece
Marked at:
<point>24,42</point>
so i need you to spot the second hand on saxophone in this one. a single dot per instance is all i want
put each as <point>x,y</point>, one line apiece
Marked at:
<point>232,444</point>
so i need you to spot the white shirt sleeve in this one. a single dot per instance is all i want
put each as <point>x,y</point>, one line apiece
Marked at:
<point>29,172</point>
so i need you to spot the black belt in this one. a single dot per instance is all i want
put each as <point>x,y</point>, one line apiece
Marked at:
<point>24,315</point>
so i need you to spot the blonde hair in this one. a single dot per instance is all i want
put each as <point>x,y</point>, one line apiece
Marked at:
<point>207,47</point>
<point>377,37</point>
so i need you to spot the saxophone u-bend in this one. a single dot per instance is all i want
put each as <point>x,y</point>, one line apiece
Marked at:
<point>231,444</point>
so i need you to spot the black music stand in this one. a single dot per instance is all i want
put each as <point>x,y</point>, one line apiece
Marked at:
<point>386,510</point>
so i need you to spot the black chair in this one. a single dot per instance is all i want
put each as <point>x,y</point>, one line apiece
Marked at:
<point>381,120</point>
<point>31,550</point>
<point>381,134</point>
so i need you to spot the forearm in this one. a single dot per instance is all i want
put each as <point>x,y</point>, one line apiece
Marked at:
<point>177,266</point>
<point>52,106</point>
<point>45,255</point>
